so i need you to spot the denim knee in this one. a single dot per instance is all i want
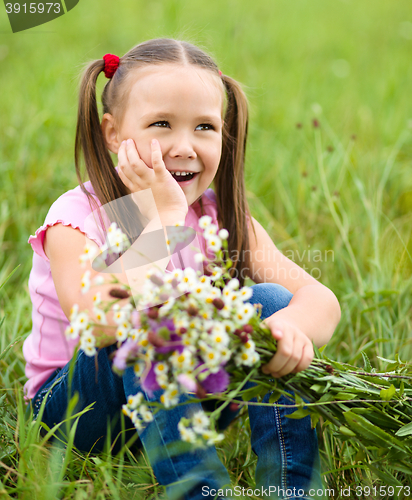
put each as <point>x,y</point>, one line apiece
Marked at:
<point>272,296</point>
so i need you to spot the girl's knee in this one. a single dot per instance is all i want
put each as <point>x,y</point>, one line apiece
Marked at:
<point>272,296</point>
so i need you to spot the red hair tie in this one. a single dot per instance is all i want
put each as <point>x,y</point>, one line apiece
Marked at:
<point>220,73</point>
<point>111,63</point>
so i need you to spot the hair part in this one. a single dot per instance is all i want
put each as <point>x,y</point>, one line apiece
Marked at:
<point>229,181</point>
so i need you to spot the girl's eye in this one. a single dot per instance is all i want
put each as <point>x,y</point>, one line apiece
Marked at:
<point>205,126</point>
<point>160,124</point>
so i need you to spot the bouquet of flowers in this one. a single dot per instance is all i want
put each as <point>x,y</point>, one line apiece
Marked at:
<point>197,334</point>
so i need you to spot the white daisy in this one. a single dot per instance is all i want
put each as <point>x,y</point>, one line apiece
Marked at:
<point>134,401</point>
<point>71,332</point>
<point>200,421</point>
<point>223,234</point>
<point>205,221</point>
<point>170,397</point>
<point>85,282</point>
<point>100,316</point>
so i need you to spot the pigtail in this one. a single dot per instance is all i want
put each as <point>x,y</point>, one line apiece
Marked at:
<point>229,181</point>
<point>99,165</point>
<point>90,141</point>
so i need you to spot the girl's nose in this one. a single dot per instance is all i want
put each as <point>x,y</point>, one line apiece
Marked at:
<point>182,147</point>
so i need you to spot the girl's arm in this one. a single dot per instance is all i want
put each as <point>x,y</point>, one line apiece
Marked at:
<point>63,245</point>
<point>312,314</point>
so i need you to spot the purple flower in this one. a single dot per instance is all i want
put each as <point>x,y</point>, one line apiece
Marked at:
<point>163,323</point>
<point>127,352</point>
<point>216,382</point>
<point>136,319</point>
<point>149,382</point>
<point>174,344</point>
<point>187,381</point>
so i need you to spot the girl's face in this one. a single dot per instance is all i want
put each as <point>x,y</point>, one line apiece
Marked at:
<point>181,107</point>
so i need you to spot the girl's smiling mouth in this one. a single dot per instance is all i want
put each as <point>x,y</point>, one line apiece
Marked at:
<point>184,178</point>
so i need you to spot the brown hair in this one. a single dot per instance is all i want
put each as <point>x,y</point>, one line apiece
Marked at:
<point>229,180</point>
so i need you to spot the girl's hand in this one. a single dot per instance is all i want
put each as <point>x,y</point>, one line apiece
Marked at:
<point>294,349</point>
<point>168,196</point>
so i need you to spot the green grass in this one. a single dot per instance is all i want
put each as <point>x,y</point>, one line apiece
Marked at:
<point>345,187</point>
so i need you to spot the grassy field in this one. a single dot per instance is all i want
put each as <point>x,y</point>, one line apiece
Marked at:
<point>335,198</point>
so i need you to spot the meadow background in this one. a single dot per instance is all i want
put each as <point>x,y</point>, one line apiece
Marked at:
<point>337,197</point>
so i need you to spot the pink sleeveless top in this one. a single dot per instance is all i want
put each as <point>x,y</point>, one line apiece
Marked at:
<point>47,348</point>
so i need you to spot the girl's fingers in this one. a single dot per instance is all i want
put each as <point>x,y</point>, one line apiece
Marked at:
<point>137,164</point>
<point>306,359</point>
<point>279,360</point>
<point>293,355</point>
<point>157,157</point>
<point>122,155</point>
<point>126,181</point>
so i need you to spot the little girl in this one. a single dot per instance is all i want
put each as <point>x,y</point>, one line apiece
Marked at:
<point>177,125</point>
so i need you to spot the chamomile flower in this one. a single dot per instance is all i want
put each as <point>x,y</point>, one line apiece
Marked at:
<point>226,311</point>
<point>71,332</point>
<point>100,316</point>
<point>134,401</point>
<point>120,314</point>
<point>104,251</point>
<point>189,279</point>
<point>200,290</point>
<point>228,295</point>
<point>210,232</point>
<point>245,293</point>
<point>85,282</point>
<point>210,356</point>
<point>205,221</point>
<point>223,234</point>
<point>145,413</point>
<point>177,274</point>
<point>97,298</point>
<point>139,368</point>
<point>216,274</point>
<point>244,313</point>
<point>74,312</point>
<point>228,325</point>
<point>116,239</point>
<point>161,368</point>
<point>219,339</point>
<point>225,354</point>
<point>166,306</point>
<point>134,334</point>
<point>81,321</point>
<point>200,421</point>
<point>162,380</point>
<point>205,280</point>
<point>135,418</point>
<point>87,338</point>
<point>199,257</point>
<point>122,331</point>
<point>88,253</point>
<point>233,284</point>
<point>89,350</point>
<point>247,355</point>
<point>186,434</point>
<point>214,243</point>
<point>170,397</point>
<point>183,360</point>
<point>98,280</point>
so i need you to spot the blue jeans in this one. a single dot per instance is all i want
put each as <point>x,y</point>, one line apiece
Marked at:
<point>287,449</point>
